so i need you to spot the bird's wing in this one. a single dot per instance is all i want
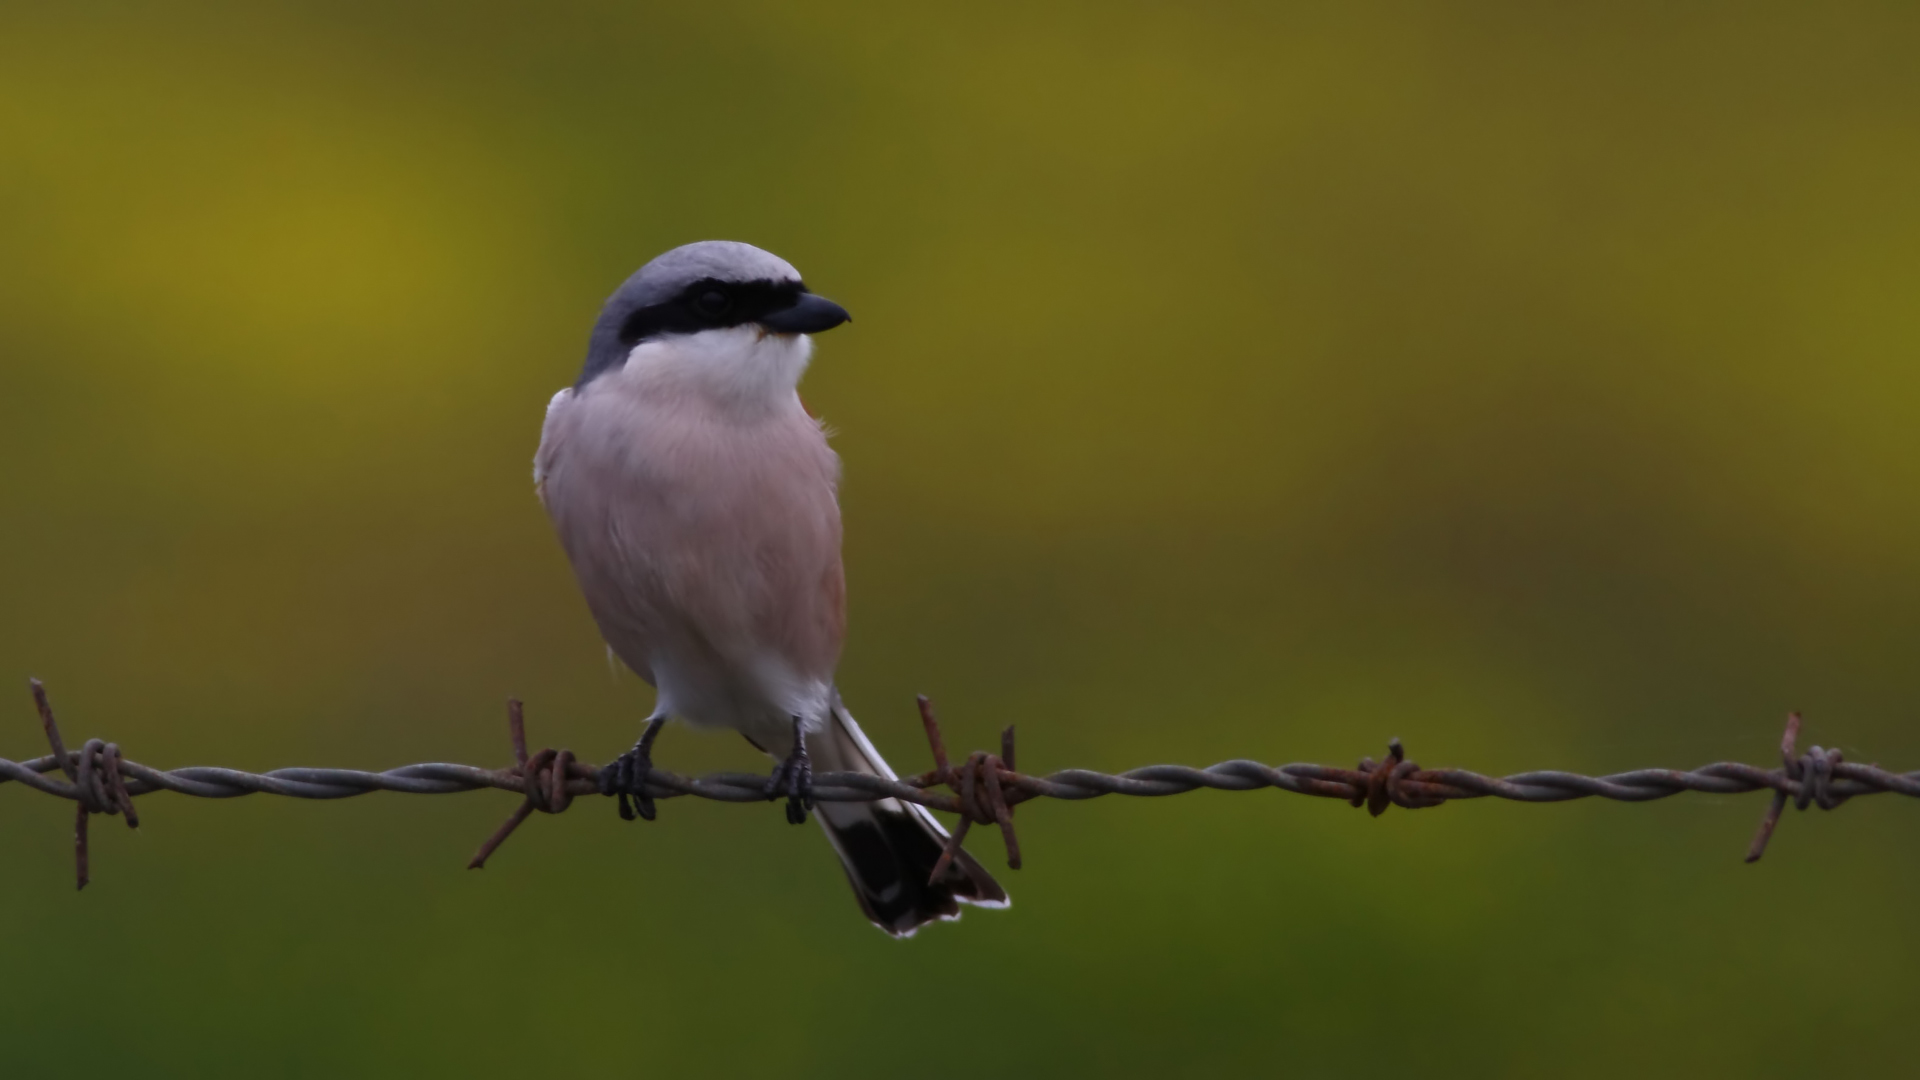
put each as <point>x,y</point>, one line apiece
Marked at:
<point>570,507</point>
<point>550,440</point>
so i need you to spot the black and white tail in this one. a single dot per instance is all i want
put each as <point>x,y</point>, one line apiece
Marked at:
<point>888,848</point>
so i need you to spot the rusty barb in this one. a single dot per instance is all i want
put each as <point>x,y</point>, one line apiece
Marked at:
<point>93,775</point>
<point>983,789</point>
<point>1812,774</point>
<point>547,779</point>
<point>977,785</point>
<point>1388,783</point>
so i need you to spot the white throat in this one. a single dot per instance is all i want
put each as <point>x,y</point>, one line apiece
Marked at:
<point>741,371</point>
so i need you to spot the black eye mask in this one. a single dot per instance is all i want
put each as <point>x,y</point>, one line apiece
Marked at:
<point>710,305</point>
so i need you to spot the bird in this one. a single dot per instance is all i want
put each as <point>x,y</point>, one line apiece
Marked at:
<point>697,501</point>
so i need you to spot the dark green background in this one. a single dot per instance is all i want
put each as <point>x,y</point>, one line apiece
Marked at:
<point>1533,382</point>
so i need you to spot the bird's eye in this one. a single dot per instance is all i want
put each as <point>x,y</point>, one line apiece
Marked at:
<point>713,303</point>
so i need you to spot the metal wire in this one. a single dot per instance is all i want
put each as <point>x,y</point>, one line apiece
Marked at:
<point>983,789</point>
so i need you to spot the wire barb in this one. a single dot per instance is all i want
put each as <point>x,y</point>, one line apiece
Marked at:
<point>984,790</point>
<point>1807,779</point>
<point>97,784</point>
<point>544,781</point>
<point>977,787</point>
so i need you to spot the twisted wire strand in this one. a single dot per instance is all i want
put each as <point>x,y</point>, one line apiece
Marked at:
<point>1325,781</point>
<point>985,789</point>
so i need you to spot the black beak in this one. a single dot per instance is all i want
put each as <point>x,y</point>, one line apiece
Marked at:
<point>809,315</point>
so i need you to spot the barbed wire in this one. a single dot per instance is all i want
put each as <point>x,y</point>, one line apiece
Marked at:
<point>983,789</point>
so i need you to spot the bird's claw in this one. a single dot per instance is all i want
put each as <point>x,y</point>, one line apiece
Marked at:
<point>627,778</point>
<point>794,779</point>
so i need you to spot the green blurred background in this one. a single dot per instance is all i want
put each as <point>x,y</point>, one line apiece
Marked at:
<point>1535,383</point>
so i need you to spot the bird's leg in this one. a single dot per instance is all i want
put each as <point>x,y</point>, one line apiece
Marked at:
<point>794,779</point>
<point>627,776</point>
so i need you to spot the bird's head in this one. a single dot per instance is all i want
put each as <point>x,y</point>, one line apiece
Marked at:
<point>725,306</point>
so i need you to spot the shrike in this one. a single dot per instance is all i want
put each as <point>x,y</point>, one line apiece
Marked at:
<point>696,500</point>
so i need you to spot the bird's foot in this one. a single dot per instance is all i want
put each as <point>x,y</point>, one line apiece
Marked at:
<point>794,779</point>
<point>627,777</point>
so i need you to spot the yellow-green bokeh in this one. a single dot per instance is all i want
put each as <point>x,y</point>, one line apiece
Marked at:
<point>1536,383</point>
